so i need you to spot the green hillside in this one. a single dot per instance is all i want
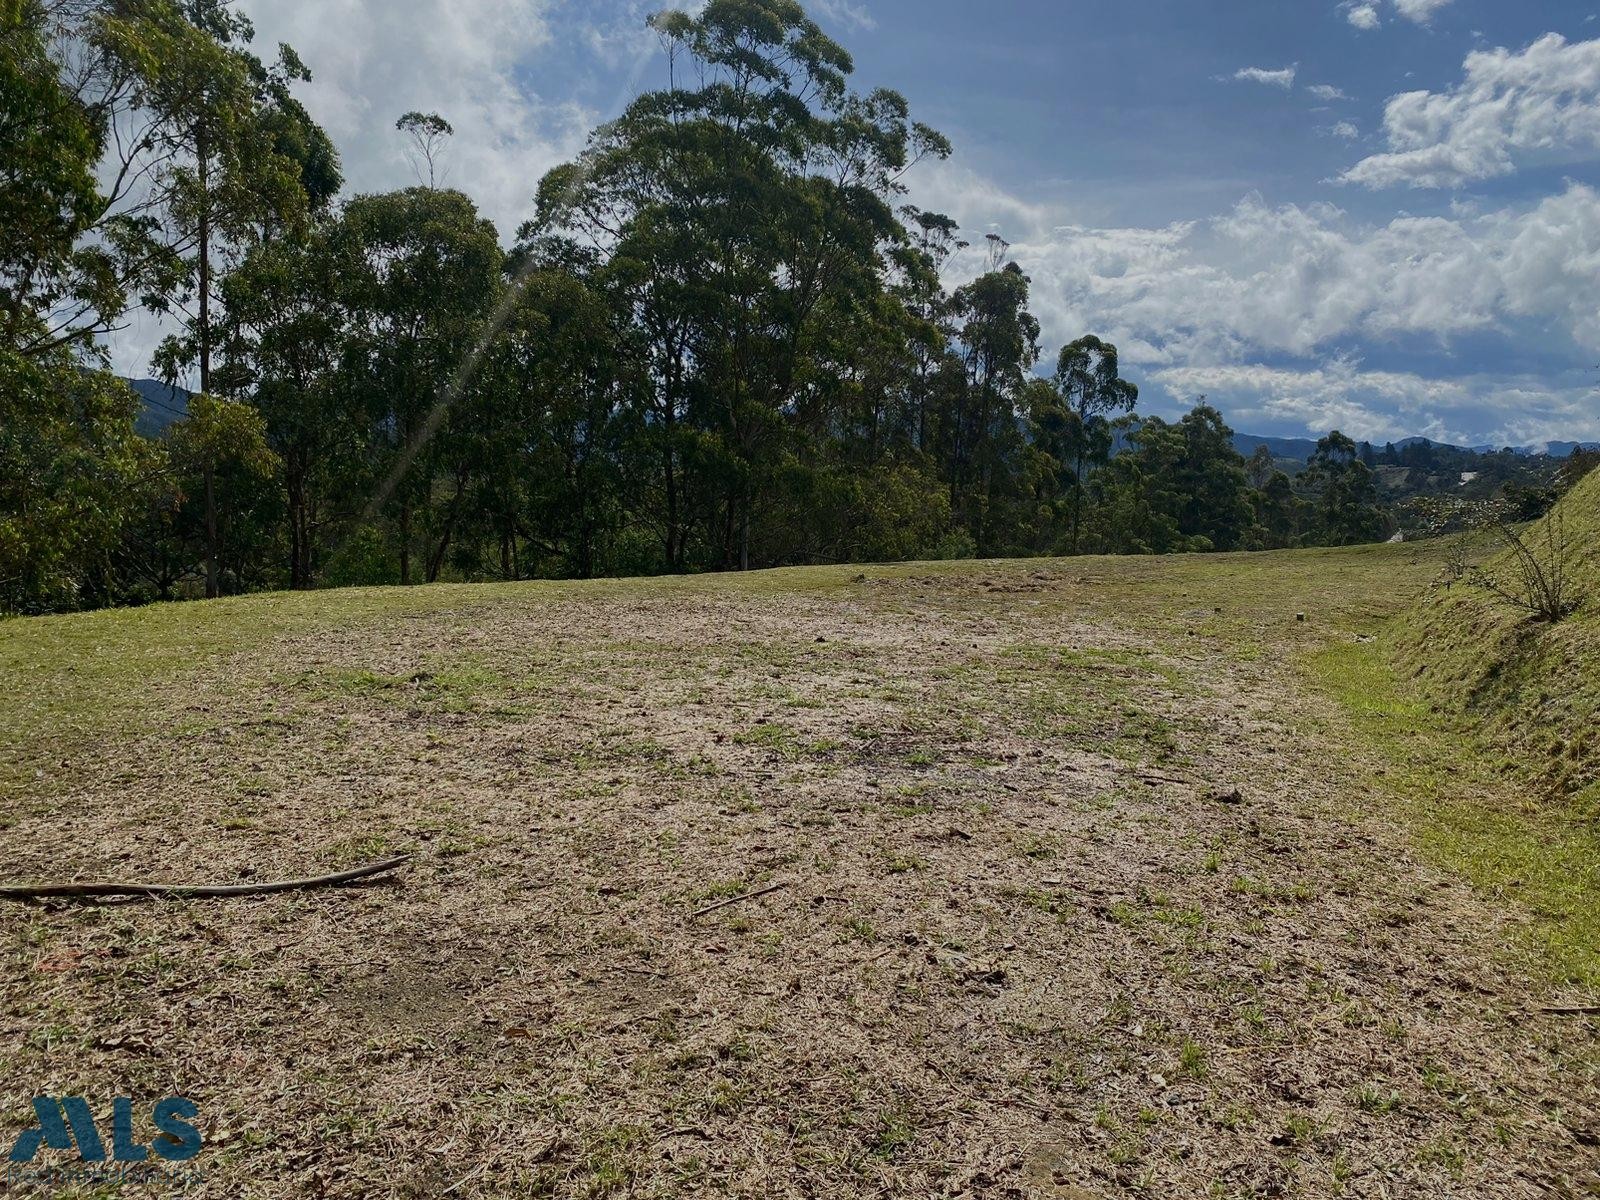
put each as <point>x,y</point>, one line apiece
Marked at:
<point>1528,688</point>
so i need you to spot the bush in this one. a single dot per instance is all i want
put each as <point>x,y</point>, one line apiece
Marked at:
<point>1531,573</point>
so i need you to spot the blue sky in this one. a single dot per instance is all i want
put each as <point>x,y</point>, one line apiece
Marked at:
<point>1380,215</point>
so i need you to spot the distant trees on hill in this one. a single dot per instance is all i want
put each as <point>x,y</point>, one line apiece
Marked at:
<point>723,341</point>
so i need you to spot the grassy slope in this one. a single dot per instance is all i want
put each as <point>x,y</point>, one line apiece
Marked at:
<point>1530,689</point>
<point>1491,723</point>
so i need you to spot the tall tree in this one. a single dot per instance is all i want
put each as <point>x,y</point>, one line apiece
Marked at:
<point>426,272</point>
<point>71,469</point>
<point>1092,390</point>
<point>741,219</point>
<point>426,134</point>
<point>290,346</point>
<point>999,340</point>
<point>1347,508</point>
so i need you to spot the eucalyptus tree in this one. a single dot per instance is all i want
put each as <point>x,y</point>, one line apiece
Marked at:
<point>287,345</point>
<point>427,134</point>
<point>934,240</point>
<point>1215,509</point>
<point>69,460</point>
<point>223,171</point>
<point>1346,509</point>
<point>108,105</point>
<point>245,163</point>
<point>557,480</point>
<point>998,344</point>
<point>1092,391</point>
<point>186,138</point>
<point>742,213</point>
<point>425,272</point>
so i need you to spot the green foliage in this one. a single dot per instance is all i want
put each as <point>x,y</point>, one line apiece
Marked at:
<point>72,474</point>
<point>213,516</point>
<point>1077,433</point>
<point>1346,507</point>
<point>1181,487</point>
<point>96,223</point>
<point>49,145</point>
<point>426,274</point>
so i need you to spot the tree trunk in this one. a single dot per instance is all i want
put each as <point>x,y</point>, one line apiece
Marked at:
<point>213,588</point>
<point>1077,504</point>
<point>204,238</point>
<point>204,335</point>
<point>436,563</point>
<point>405,543</point>
<point>436,560</point>
<point>744,535</point>
<point>299,530</point>
<point>674,543</point>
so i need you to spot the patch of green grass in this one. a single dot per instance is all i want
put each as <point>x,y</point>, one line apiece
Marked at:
<point>901,864</point>
<point>1371,1099</point>
<point>778,738</point>
<point>893,1133</point>
<point>1192,1060</point>
<point>1527,689</point>
<point>1446,784</point>
<point>1443,1152</point>
<point>1487,723</point>
<point>1299,1131</point>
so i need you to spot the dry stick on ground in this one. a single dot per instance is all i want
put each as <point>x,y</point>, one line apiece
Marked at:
<point>711,908</point>
<point>179,891</point>
<point>1589,1010</point>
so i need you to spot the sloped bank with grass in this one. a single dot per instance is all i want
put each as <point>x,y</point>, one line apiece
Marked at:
<point>1530,687</point>
<point>1490,720</point>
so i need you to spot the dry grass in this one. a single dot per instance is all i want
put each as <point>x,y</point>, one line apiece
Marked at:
<point>1028,943</point>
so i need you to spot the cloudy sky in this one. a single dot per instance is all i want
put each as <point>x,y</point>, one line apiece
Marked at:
<point>1377,215</point>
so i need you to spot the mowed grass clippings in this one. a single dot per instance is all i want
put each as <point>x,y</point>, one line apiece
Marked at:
<point>1084,893</point>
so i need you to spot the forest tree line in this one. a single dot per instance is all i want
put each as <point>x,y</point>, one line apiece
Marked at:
<point>723,341</point>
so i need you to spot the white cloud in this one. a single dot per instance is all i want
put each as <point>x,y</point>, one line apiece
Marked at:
<point>461,58</point>
<point>1283,77</point>
<point>1420,11</point>
<point>1348,130</point>
<point>1326,91</point>
<point>843,12</point>
<point>1299,280</point>
<point>1306,283</point>
<point>1537,106</point>
<point>1362,16</point>
<point>1379,406</point>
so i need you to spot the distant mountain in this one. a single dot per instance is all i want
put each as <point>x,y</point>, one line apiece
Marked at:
<point>1299,449</point>
<point>161,405</point>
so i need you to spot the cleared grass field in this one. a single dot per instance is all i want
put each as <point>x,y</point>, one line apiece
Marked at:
<point>1092,878</point>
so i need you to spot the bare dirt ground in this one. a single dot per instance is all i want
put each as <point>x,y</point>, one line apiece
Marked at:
<point>1079,894</point>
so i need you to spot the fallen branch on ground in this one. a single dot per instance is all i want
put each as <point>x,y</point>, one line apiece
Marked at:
<point>1588,1010</point>
<point>711,908</point>
<point>179,891</point>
